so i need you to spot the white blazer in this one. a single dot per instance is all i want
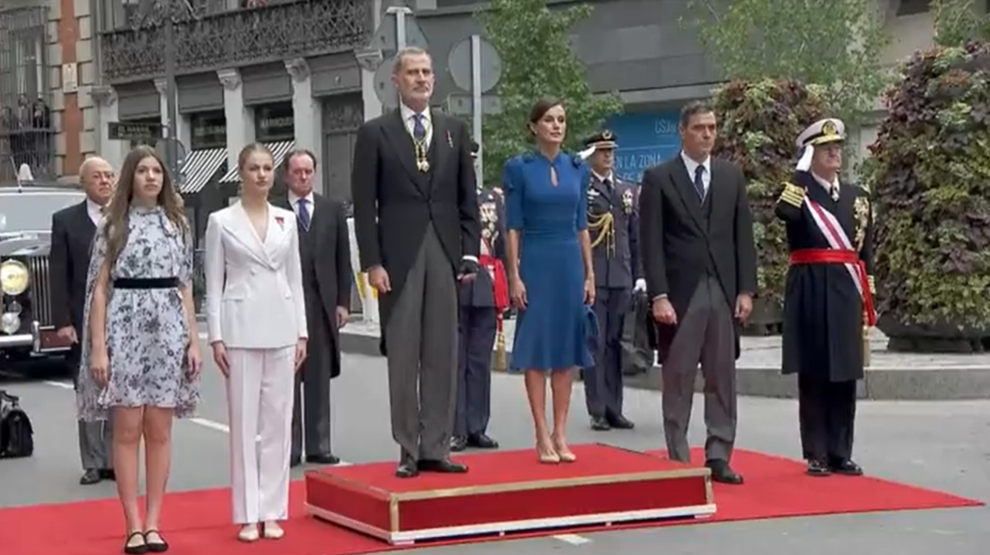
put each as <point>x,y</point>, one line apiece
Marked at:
<point>261,305</point>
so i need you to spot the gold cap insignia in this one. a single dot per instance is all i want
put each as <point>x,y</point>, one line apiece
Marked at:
<point>607,135</point>
<point>829,128</point>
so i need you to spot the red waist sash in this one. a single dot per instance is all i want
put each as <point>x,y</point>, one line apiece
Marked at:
<point>497,270</point>
<point>835,256</point>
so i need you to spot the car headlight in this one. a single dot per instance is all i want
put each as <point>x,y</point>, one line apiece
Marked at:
<point>10,323</point>
<point>14,277</point>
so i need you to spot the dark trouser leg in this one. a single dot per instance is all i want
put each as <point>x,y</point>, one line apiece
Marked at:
<point>637,354</point>
<point>464,335</point>
<point>438,351</point>
<point>403,338</point>
<point>594,377</point>
<point>812,411</point>
<point>841,419</point>
<point>678,373</point>
<point>311,407</point>
<point>479,369</point>
<point>718,366</point>
<point>95,438</point>
<point>618,306</point>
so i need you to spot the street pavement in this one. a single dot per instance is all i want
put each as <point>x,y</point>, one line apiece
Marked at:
<point>943,445</point>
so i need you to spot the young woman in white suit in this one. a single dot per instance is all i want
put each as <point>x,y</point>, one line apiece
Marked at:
<point>257,329</point>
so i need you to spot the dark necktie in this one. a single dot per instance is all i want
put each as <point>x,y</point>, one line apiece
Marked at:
<point>699,182</point>
<point>607,183</point>
<point>419,130</point>
<point>834,189</point>
<point>303,214</point>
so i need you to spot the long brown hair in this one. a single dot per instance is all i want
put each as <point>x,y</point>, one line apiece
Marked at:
<point>117,228</point>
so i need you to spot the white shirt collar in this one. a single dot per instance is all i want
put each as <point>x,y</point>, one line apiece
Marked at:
<point>821,181</point>
<point>294,198</point>
<point>601,178</point>
<point>692,166</point>
<point>95,210</point>
<point>408,113</point>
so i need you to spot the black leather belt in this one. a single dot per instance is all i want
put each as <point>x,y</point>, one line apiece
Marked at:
<point>146,283</point>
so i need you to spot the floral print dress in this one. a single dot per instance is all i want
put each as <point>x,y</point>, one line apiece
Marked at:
<point>147,331</point>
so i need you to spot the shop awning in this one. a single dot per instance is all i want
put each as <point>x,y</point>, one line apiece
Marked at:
<point>200,166</point>
<point>279,150</point>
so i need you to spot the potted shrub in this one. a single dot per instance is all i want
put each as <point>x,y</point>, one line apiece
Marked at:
<point>931,191</point>
<point>759,122</point>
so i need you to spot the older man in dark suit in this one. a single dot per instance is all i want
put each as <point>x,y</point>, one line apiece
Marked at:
<point>72,234</point>
<point>325,255</point>
<point>700,264</point>
<point>418,233</point>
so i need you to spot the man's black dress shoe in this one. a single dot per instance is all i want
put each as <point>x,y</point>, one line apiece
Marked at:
<point>106,474</point>
<point>443,465</point>
<point>846,468</point>
<point>723,474</point>
<point>458,443</point>
<point>90,477</point>
<point>406,470</point>
<point>620,422</point>
<point>481,441</point>
<point>817,468</point>
<point>600,424</point>
<point>323,458</point>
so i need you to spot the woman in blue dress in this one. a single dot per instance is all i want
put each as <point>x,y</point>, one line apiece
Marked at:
<point>550,272</point>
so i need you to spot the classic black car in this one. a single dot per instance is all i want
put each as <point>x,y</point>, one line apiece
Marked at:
<point>26,329</point>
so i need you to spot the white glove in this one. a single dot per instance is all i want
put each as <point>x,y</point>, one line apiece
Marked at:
<point>640,286</point>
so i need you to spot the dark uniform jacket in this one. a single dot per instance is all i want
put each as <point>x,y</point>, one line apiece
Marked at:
<point>613,222</point>
<point>823,308</point>
<point>480,292</point>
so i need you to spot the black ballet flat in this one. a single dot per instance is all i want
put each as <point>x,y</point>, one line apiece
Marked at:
<point>160,546</point>
<point>135,549</point>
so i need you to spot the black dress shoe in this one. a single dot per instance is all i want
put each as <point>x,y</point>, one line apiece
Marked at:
<point>134,548</point>
<point>406,470</point>
<point>295,461</point>
<point>155,542</point>
<point>108,475</point>
<point>323,458</point>
<point>600,424</point>
<point>620,422</point>
<point>846,468</point>
<point>446,466</point>
<point>458,444</point>
<point>90,477</point>
<point>817,468</point>
<point>723,474</point>
<point>481,441</point>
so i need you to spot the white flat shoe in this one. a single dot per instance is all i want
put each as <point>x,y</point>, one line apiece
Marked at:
<point>273,531</point>
<point>248,534</point>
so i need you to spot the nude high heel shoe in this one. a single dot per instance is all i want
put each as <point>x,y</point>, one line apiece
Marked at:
<point>273,531</point>
<point>249,533</point>
<point>546,453</point>
<point>564,452</point>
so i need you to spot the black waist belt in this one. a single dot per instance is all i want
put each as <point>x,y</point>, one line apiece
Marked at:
<point>146,283</point>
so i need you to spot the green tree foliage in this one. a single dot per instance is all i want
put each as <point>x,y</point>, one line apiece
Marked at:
<point>537,61</point>
<point>932,201</point>
<point>958,22</point>
<point>759,122</point>
<point>836,44</point>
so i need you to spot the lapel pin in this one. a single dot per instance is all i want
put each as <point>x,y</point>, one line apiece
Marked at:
<point>450,140</point>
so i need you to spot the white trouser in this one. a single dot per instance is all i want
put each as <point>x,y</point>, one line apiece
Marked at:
<point>259,401</point>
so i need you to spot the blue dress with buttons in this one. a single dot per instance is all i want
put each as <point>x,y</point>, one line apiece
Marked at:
<point>551,333</point>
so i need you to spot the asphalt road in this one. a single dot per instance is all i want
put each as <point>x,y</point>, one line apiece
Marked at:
<point>940,445</point>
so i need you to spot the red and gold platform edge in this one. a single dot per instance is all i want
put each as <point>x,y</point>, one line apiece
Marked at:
<point>518,486</point>
<point>395,536</point>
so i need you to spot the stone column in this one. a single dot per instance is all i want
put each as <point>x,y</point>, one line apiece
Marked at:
<point>240,119</point>
<point>307,112</point>
<point>114,152</point>
<point>182,130</point>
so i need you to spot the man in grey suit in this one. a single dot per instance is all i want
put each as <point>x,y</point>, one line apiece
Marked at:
<point>72,233</point>
<point>418,234</point>
<point>700,264</point>
<point>325,256</point>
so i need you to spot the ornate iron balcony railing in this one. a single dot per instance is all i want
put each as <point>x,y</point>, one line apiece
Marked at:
<point>271,32</point>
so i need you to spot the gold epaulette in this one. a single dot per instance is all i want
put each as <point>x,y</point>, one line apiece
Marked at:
<point>792,195</point>
<point>873,285</point>
<point>605,226</point>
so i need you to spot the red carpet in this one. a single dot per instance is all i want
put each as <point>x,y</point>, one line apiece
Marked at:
<point>197,523</point>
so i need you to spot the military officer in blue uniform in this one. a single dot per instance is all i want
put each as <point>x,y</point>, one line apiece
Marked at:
<point>613,221</point>
<point>482,301</point>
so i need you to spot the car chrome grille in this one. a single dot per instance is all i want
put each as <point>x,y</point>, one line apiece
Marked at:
<point>40,290</point>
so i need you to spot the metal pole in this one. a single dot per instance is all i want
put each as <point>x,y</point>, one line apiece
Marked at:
<point>400,13</point>
<point>476,106</point>
<point>171,142</point>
